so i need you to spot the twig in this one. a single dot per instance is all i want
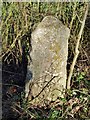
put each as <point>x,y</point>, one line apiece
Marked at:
<point>80,91</point>
<point>6,84</point>
<point>12,72</point>
<point>16,110</point>
<point>77,47</point>
<point>44,88</point>
<point>25,111</point>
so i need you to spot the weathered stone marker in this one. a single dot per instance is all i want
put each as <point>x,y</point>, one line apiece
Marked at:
<point>49,59</point>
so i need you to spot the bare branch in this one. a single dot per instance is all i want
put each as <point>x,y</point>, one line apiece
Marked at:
<point>77,47</point>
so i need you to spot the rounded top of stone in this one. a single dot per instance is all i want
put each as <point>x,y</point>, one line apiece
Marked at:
<point>51,25</point>
<point>49,18</point>
<point>52,22</point>
<point>49,21</point>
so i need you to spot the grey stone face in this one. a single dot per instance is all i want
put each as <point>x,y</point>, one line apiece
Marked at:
<point>49,58</point>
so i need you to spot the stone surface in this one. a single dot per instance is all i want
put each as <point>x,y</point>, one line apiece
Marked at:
<point>49,59</point>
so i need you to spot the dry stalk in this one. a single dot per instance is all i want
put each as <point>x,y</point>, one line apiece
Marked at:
<point>73,16</point>
<point>13,44</point>
<point>77,48</point>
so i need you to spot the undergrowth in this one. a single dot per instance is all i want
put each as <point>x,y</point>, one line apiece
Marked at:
<point>18,22</point>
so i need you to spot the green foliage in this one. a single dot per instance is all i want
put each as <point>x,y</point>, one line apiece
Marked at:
<point>75,104</point>
<point>54,114</point>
